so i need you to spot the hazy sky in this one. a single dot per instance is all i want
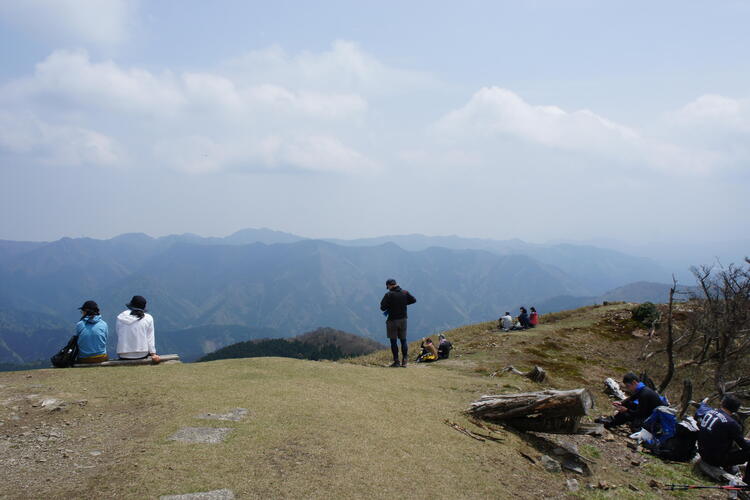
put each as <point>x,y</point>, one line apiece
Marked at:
<point>537,120</point>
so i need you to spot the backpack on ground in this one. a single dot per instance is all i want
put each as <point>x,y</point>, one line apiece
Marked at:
<point>671,440</point>
<point>67,356</point>
<point>444,350</point>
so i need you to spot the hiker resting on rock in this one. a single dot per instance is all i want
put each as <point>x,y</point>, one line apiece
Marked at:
<point>444,347</point>
<point>634,409</point>
<point>720,440</point>
<point>429,351</point>
<point>135,332</point>
<point>394,305</point>
<point>92,333</point>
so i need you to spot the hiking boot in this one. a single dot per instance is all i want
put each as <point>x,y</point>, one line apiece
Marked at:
<point>403,363</point>
<point>395,364</point>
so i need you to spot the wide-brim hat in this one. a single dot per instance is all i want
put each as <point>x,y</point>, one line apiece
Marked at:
<point>137,303</point>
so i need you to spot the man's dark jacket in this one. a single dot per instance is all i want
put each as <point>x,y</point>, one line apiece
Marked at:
<point>395,301</point>
<point>718,432</point>
<point>647,399</point>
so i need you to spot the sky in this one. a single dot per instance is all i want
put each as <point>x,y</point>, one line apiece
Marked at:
<point>539,120</point>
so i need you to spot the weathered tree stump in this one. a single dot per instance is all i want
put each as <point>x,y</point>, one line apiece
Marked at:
<point>612,388</point>
<point>544,411</point>
<point>537,374</point>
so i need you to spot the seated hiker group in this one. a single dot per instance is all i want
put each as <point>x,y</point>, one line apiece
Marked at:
<point>135,333</point>
<point>715,433</point>
<point>523,321</point>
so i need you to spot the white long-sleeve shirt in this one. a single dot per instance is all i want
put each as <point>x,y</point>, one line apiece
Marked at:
<point>507,322</point>
<point>135,336</point>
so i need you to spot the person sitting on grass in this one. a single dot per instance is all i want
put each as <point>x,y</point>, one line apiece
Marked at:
<point>506,322</point>
<point>429,351</point>
<point>523,318</point>
<point>634,409</point>
<point>444,347</point>
<point>720,440</point>
<point>533,318</point>
<point>92,333</point>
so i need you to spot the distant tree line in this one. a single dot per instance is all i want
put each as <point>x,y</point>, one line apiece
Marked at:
<point>276,347</point>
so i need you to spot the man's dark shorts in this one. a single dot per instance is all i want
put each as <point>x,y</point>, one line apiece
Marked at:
<point>396,328</point>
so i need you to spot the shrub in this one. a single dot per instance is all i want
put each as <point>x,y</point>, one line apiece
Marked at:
<point>645,313</point>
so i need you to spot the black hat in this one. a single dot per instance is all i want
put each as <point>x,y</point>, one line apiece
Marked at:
<point>731,403</point>
<point>390,282</point>
<point>89,305</point>
<point>137,303</point>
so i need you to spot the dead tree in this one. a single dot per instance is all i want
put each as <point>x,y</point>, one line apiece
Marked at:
<point>670,340</point>
<point>720,324</point>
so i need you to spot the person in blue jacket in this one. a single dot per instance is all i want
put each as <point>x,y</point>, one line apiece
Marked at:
<point>92,334</point>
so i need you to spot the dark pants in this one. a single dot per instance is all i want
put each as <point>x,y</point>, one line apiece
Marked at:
<point>736,457</point>
<point>404,349</point>
<point>624,418</point>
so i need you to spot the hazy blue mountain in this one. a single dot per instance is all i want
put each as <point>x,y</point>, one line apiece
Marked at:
<point>598,269</point>
<point>282,284</point>
<point>641,291</point>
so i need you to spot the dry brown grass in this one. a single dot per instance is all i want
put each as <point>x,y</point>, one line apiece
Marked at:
<point>318,429</point>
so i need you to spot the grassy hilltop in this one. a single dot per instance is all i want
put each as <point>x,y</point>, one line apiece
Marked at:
<point>349,429</point>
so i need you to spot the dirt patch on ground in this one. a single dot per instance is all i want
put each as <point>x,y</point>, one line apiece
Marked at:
<point>71,433</point>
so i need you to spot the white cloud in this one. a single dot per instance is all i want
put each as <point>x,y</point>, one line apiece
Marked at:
<point>196,122</point>
<point>345,67</point>
<point>494,114</point>
<point>57,145</point>
<point>104,22</point>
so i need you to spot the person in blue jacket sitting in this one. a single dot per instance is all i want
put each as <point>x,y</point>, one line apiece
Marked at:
<point>92,334</point>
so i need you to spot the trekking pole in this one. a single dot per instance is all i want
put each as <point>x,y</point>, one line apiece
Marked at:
<point>677,487</point>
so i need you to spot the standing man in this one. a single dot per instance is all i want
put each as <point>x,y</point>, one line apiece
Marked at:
<point>394,305</point>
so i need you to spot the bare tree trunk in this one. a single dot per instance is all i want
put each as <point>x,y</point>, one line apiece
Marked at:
<point>670,340</point>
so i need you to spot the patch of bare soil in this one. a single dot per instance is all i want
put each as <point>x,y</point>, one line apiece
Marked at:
<point>53,443</point>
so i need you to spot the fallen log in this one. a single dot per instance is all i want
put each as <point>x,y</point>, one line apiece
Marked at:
<point>545,411</point>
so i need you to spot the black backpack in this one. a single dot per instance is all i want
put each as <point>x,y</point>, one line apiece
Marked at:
<point>444,350</point>
<point>682,446</point>
<point>67,355</point>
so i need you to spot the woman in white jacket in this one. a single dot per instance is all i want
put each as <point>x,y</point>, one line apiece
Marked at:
<point>135,332</point>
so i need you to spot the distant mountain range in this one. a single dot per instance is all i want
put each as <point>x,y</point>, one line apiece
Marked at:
<point>323,343</point>
<point>206,293</point>
<point>641,291</point>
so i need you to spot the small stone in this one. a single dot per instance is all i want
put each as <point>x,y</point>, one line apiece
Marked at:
<point>603,485</point>
<point>41,459</point>
<point>207,435</point>
<point>654,484</point>
<point>573,466</point>
<point>550,464</point>
<point>205,495</point>
<point>95,453</point>
<point>572,484</point>
<point>635,462</point>
<point>234,415</point>
<point>632,487</point>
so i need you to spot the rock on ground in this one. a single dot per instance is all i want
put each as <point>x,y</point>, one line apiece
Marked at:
<point>206,435</point>
<point>205,495</point>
